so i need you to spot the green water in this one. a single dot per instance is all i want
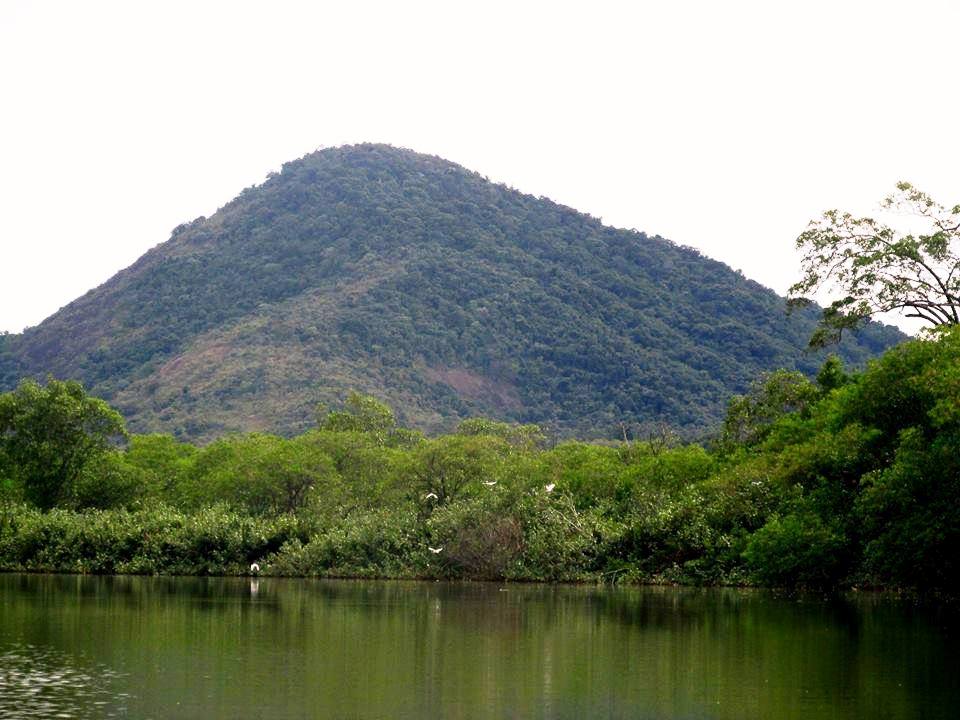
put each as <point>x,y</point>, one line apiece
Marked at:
<point>89,647</point>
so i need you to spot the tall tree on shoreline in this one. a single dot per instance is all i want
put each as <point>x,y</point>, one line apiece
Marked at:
<point>878,269</point>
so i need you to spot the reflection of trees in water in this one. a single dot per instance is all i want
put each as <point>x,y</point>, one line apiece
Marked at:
<point>658,640</point>
<point>401,648</point>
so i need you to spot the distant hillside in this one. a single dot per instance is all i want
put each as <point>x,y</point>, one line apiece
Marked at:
<point>412,279</point>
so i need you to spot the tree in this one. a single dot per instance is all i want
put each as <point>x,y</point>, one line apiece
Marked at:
<point>522,437</point>
<point>449,466</point>
<point>48,435</point>
<point>361,413</point>
<point>879,269</point>
<point>162,465</point>
<point>106,482</point>
<point>366,414</point>
<point>263,474</point>
<point>751,416</point>
<point>831,375</point>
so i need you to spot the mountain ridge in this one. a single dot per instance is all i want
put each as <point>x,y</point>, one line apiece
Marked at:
<point>408,277</point>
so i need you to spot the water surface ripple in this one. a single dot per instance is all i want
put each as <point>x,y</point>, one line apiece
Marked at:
<point>104,647</point>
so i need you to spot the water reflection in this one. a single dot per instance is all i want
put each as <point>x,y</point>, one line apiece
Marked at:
<point>224,648</point>
<point>39,682</point>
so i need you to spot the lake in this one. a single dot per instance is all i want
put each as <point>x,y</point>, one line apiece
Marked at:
<point>119,647</point>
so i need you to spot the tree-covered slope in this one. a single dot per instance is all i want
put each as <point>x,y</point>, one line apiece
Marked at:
<point>410,278</point>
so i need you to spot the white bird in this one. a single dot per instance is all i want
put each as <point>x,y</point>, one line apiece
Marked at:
<point>254,568</point>
<point>490,483</point>
<point>549,488</point>
<point>434,550</point>
<point>429,496</point>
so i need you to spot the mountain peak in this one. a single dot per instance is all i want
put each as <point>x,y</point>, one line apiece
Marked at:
<point>411,278</point>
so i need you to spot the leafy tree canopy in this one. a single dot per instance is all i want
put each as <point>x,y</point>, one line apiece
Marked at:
<point>527,437</point>
<point>750,417</point>
<point>366,414</point>
<point>876,268</point>
<point>48,435</point>
<point>361,413</point>
<point>262,474</point>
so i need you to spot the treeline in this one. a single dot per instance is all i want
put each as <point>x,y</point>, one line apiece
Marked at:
<point>849,479</point>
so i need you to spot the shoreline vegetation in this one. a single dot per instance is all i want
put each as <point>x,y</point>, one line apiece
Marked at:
<point>848,480</point>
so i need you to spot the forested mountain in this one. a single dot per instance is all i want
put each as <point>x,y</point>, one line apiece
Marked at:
<point>412,279</point>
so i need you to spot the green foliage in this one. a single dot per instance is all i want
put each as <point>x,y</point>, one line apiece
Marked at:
<point>107,482</point>
<point>831,374</point>
<point>875,464</point>
<point>376,543</point>
<point>560,543</point>
<point>453,466</point>
<point>154,540</point>
<point>370,473</point>
<point>797,549</point>
<point>750,417</point>
<point>480,537</point>
<point>852,480</point>
<point>522,437</point>
<point>163,466</point>
<point>379,269</point>
<point>909,510</point>
<point>361,413</point>
<point>875,268</point>
<point>592,474</point>
<point>263,474</point>
<point>49,435</point>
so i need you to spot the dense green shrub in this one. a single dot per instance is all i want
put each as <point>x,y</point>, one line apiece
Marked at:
<point>380,543</point>
<point>154,540</point>
<point>560,542</point>
<point>480,537</point>
<point>797,549</point>
<point>909,512</point>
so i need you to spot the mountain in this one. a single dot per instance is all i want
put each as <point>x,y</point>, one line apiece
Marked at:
<point>410,278</point>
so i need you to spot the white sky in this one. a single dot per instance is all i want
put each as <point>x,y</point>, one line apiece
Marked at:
<point>725,126</point>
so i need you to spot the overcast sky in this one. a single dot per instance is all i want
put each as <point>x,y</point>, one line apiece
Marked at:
<point>725,126</point>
